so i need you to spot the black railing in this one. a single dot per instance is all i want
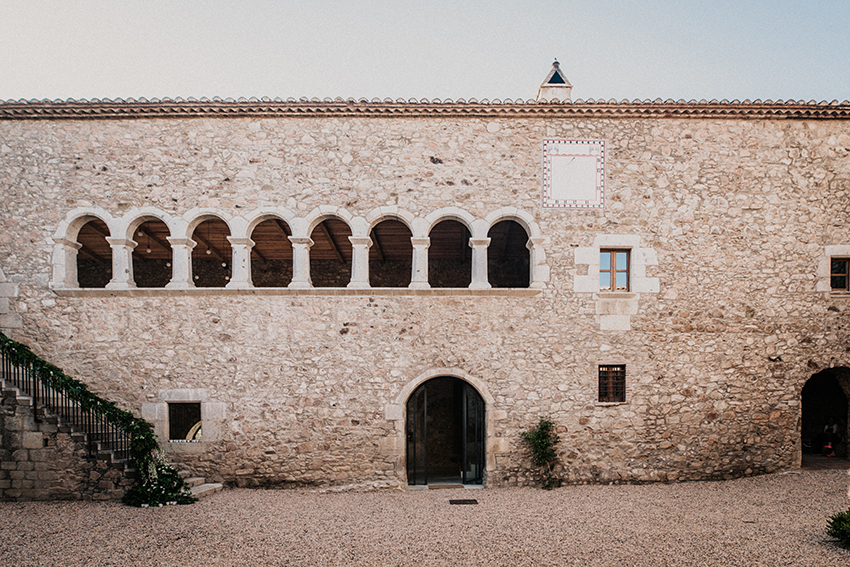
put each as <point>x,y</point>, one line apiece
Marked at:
<point>53,393</point>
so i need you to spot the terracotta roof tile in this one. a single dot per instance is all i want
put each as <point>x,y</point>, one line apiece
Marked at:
<point>266,107</point>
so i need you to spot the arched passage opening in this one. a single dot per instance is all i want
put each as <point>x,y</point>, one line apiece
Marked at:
<point>271,255</point>
<point>152,254</point>
<point>330,255</point>
<point>391,255</point>
<point>212,255</point>
<point>823,402</point>
<point>508,256</point>
<point>445,433</point>
<point>449,255</point>
<point>94,258</point>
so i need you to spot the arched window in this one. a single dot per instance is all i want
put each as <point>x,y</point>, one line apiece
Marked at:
<point>508,257</point>
<point>271,256</point>
<point>391,255</point>
<point>330,255</point>
<point>94,258</point>
<point>212,255</point>
<point>449,255</point>
<point>152,254</point>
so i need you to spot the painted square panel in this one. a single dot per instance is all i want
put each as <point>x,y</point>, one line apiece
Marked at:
<point>573,174</point>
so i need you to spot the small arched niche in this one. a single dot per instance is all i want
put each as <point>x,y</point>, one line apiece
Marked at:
<point>330,255</point>
<point>152,255</point>
<point>449,255</point>
<point>212,255</point>
<point>271,255</point>
<point>391,254</point>
<point>508,256</point>
<point>94,258</point>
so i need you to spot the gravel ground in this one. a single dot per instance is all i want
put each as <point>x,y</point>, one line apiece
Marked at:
<point>770,520</point>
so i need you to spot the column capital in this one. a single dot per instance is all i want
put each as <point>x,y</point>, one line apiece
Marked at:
<point>121,242</point>
<point>426,242</point>
<point>308,242</point>
<point>68,243</point>
<point>360,240</point>
<point>177,241</point>
<point>236,241</point>
<point>479,242</point>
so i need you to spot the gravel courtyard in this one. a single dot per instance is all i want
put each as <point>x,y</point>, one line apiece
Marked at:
<point>777,520</point>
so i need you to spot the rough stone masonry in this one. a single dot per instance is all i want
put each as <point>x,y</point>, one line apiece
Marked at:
<point>731,213</point>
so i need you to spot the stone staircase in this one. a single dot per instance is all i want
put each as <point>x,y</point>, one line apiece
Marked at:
<point>199,486</point>
<point>40,451</point>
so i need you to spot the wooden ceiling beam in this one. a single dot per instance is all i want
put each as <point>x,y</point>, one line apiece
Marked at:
<point>209,246</point>
<point>327,233</point>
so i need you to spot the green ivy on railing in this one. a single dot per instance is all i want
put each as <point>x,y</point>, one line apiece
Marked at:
<point>145,454</point>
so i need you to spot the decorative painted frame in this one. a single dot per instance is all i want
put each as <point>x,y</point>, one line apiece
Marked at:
<point>573,174</point>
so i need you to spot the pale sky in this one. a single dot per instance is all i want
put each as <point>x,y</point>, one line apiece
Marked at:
<point>771,49</point>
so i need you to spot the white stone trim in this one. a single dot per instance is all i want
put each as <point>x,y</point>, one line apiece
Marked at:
<point>213,415</point>
<point>823,284</point>
<point>614,309</point>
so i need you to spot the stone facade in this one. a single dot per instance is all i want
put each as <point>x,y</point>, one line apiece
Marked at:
<point>730,213</point>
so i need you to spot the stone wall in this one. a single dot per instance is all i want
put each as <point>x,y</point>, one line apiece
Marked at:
<point>40,460</point>
<point>732,218</point>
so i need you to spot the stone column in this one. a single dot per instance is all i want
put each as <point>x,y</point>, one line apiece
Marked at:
<point>300,263</point>
<point>122,263</point>
<point>359,261</point>
<point>181,263</point>
<point>65,263</point>
<point>479,263</point>
<point>419,277</point>
<point>240,274</point>
<point>537,260</point>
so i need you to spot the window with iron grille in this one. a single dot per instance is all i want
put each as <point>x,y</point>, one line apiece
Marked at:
<point>612,382</point>
<point>839,274</point>
<point>613,270</point>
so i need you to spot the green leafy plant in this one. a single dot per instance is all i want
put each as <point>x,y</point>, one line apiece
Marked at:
<point>839,527</point>
<point>144,449</point>
<point>542,441</point>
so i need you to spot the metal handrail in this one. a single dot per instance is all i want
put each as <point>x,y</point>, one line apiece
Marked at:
<point>101,433</point>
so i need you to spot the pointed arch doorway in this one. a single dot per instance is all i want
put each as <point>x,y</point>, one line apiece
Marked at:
<point>445,433</point>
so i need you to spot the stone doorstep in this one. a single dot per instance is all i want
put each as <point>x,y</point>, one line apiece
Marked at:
<point>206,489</point>
<point>198,485</point>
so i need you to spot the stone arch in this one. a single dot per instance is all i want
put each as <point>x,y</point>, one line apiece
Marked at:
<point>444,415</point>
<point>66,247</point>
<point>450,213</point>
<point>325,212</point>
<point>377,216</point>
<point>330,241</point>
<point>538,268</point>
<point>391,251</point>
<point>409,387</point>
<point>149,255</point>
<point>825,394</point>
<point>211,254</point>
<point>269,248</point>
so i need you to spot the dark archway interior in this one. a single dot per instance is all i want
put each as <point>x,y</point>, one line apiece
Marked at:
<point>391,255</point>
<point>449,255</point>
<point>330,255</point>
<point>823,397</point>
<point>212,255</point>
<point>508,260</point>
<point>152,255</point>
<point>94,258</point>
<point>271,256</point>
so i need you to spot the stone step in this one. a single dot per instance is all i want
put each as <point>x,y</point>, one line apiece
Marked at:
<point>206,489</point>
<point>194,481</point>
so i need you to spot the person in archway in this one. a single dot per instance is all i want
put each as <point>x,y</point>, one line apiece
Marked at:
<point>825,441</point>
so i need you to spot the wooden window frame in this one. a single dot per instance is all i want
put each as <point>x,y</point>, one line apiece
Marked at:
<point>613,271</point>
<point>612,383</point>
<point>845,275</point>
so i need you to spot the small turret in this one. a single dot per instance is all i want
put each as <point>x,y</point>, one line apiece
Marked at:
<point>555,86</point>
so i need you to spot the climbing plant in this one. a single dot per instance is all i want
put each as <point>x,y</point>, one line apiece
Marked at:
<point>541,441</point>
<point>145,453</point>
